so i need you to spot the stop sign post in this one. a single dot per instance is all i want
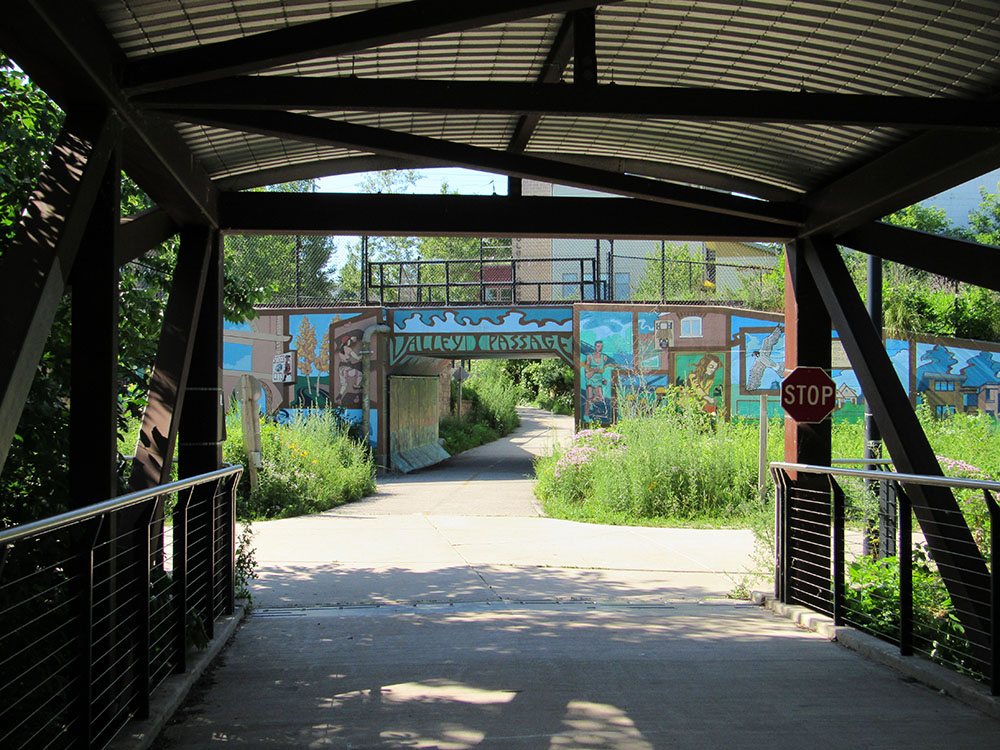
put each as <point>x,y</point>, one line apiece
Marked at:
<point>808,394</point>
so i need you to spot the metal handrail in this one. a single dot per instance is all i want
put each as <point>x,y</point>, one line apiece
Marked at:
<point>863,461</point>
<point>933,481</point>
<point>53,523</point>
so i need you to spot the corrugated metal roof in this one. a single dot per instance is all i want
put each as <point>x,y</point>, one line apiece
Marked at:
<point>919,48</point>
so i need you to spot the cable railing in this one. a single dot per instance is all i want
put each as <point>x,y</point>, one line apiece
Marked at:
<point>98,606</point>
<point>832,556</point>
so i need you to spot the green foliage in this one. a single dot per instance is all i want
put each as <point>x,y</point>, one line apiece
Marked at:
<point>680,464</point>
<point>29,121</point>
<point>282,269</point>
<point>461,434</point>
<point>494,396</point>
<point>246,563</point>
<point>309,465</point>
<point>871,598</point>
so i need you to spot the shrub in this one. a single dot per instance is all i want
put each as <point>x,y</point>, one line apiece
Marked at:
<point>309,465</point>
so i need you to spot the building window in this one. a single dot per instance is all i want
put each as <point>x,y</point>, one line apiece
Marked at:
<point>690,328</point>
<point>944,385</point>
<point>622,290</point>
<point>971,399</point>
<point>945,411</point>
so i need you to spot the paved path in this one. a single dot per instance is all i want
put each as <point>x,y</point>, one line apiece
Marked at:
<point>444,613</point>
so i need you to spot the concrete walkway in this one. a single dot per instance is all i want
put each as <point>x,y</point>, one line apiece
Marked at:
<point>445,613</point>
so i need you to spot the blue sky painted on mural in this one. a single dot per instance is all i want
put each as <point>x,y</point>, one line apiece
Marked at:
<point>974,364</point>
<point>243,327</point>
<point>647,322</point>
<point>238,357</point>
<point>613,328</point>
<point>485,320</point>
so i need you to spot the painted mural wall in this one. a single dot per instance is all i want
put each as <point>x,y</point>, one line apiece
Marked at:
<point>327,346</point>
<point>629,357</point>
<point>481,332</point>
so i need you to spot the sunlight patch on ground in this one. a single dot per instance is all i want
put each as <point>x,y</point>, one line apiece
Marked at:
<point>598,725</point>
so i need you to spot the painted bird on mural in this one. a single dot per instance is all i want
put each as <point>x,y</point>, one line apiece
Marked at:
<point>762,359</point>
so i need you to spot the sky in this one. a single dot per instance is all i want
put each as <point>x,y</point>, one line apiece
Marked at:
<point>429,181</point>
<point>462,181</point>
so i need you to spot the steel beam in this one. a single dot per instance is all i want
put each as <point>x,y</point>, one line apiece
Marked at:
<point>392,143</point>
<point>552,71</point>
<point>93,426</point>
<point>585,48</point>
<point>161,419</point>
<point>477,216</point>
<point>343,35</point>
<point>951,544</point>
<point>946,256</point>
<point>35,267</point>
<point>143,231</point>
<point>548,96</point>
<point>927,165</point>
<point>68,52</point>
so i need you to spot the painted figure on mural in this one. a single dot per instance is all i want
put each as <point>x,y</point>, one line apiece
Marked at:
<point>349,368</point>
<point>701,380</point>
<point>595,368</point>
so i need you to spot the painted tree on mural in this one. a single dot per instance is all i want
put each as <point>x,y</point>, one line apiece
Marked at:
<point>982,369</point>
<point>305,346</point>
<point>937,360</point>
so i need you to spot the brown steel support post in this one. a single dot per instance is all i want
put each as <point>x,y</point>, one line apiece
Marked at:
<point>807,343</point>
<point>200,438</point>
<point>35,266</point>
<point>93,437</point>
<point>951,545</point>
<point>160,421</point>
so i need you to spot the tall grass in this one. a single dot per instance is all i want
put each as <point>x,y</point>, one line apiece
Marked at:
<point>309,465</point>
<point>678,465</point>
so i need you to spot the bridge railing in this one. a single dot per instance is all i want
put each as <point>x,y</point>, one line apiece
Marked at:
<point>98,606</point>
<point>480,281</point>
<point>832,558</point>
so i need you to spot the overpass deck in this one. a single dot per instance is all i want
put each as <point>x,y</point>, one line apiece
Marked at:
<point>445,613</point>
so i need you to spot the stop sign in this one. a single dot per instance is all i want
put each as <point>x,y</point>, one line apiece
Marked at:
<point>808,394</point>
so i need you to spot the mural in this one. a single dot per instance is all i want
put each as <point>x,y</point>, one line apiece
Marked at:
<point>606,346</point>
<point>952,379</point>
<point>704,376</point>
<point>468,333</point>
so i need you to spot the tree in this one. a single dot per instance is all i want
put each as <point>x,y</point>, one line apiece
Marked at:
<point>35,478</point>
<point>29,121</point>
<point>291,270</point>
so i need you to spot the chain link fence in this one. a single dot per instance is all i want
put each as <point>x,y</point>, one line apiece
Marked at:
<point>312,271</point>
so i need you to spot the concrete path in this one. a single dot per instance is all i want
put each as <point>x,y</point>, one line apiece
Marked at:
<point>444,613</point>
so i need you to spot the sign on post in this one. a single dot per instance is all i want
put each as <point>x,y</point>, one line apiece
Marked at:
<point>808,394</point>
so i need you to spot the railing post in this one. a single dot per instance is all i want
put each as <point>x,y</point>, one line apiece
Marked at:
<point>905,558</point>
<point>513,281</point>
<point>180,581</point>
<point>144,580</point>
<point>582,295</point>
<point>838,552</point>
<point>447,284</point>
<point>230,601</point>
<point>994,511</point>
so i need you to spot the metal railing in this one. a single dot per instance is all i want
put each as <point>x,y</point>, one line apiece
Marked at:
<point>823,561</point>
<point>486,281</point>
<point>98,606</point>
